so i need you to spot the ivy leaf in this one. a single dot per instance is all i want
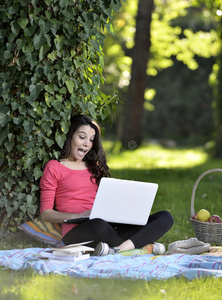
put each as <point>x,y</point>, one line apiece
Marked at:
<point>9,210</point>
<point>48,99</point>
<point>95,44</point>
<point>28,126</point>
<point>31,58</point>
<point>63,90</point>
<point>70,85</point>
<point>48,2</point>
<point>11,10</point>
<point>59,41</point>
<point>45,25</point>
<point>109,27</point>
<point>65,126</point>
<point>15,28</point>
<point>4,119</point>
<point>63,3</point>
<point>92,110</point>
<point>57,104</point>
<point>37,173</point>
<point>4,109</point>
<point>60,139</point>
<point>34,91</point>
<point>46,125</point>
<point>43,51</point>
<point>52,56</point>
<point>3,135</point>
<point>83,106</point>
<point>38,41</point>
<point>29,199</point>
<point>49,142</point>
<point>7,54</point>
<point>70,13</point>
<point>23,22</point>
<point>48,14</point>
<point>31,29</point>
<point>16,120</point>
<point>9,145</point>
<point>50,88</point>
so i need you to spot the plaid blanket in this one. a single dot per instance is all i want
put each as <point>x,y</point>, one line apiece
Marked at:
<point>144,267</point>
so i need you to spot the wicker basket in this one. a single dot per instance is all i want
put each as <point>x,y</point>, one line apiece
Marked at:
<point>206,232</point>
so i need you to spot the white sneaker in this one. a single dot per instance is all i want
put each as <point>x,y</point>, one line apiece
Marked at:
<point>103,249</point>
<point>158,249</point>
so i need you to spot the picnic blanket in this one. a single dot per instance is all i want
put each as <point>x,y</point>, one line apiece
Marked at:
<point>144,267</point>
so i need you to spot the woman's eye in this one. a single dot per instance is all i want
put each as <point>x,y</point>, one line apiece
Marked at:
<point>81,137</point>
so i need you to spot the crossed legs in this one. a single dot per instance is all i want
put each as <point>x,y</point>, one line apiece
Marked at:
<point>123,236</point>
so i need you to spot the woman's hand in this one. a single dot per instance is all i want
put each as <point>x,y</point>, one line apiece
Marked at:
<point>86,213</point>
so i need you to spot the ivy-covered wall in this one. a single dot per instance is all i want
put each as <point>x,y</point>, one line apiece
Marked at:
<point>51,63</point>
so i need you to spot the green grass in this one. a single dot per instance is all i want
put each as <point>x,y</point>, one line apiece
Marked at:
<point>175,170</point>
<point>27,286</point>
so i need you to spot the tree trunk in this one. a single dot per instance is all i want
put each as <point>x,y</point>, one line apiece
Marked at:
<point>132,129</point>
<point>218,140</point>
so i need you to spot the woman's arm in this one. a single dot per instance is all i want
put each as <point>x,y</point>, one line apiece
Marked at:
<point>54,216</point>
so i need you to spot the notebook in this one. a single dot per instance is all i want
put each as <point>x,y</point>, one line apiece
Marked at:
<point>122,201</point>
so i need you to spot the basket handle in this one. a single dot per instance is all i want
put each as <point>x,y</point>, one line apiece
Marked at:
<point>195,187</point>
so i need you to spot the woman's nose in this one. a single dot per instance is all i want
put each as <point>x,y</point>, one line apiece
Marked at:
<point>86,142</point>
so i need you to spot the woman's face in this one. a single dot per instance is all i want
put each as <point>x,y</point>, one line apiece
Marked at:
<point>82,142</point>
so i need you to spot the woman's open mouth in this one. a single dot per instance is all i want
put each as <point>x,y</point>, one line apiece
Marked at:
<point>82,152</point>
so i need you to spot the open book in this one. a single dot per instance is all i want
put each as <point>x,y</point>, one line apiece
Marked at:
<point>72,253</point>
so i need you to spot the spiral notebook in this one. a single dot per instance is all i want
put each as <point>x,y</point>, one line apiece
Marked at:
<point>122,201</point>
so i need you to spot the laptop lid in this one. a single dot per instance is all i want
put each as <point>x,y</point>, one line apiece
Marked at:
<point>124,201</point>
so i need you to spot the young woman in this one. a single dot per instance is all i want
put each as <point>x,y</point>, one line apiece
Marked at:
<point>68,189</point>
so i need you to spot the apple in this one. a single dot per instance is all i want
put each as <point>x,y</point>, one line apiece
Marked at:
<point>214,219</point>
<point>195,216</point>
<point>203,215</point>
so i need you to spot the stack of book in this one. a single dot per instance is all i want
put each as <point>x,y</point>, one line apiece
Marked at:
<point>72,253</point>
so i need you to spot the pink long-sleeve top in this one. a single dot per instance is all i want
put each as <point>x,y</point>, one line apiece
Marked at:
<point>66,190</point>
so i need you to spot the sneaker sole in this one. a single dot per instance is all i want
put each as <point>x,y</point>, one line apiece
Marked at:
<point>159,249</point>
<point>101,249</point>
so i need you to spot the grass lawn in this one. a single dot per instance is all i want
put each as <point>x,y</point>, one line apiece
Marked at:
<point>175,170</point>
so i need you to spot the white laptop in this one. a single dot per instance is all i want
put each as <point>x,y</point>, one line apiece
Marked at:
<point>122,201</point>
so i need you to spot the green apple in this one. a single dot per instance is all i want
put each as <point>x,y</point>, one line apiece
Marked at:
<point>203,215</point>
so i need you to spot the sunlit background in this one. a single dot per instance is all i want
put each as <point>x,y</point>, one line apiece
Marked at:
<point>182,70</point>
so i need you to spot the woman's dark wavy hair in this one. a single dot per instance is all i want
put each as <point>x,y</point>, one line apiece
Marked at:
<point>95,159</point>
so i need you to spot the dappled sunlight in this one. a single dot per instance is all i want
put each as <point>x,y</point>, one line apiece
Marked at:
<point>155,156</point>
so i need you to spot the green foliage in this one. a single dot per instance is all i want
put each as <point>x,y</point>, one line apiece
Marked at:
<point>214,8</point>
<point>51,63</point>
<point>185,43</point>
<point>182,104</point>
<point>173,34</point>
